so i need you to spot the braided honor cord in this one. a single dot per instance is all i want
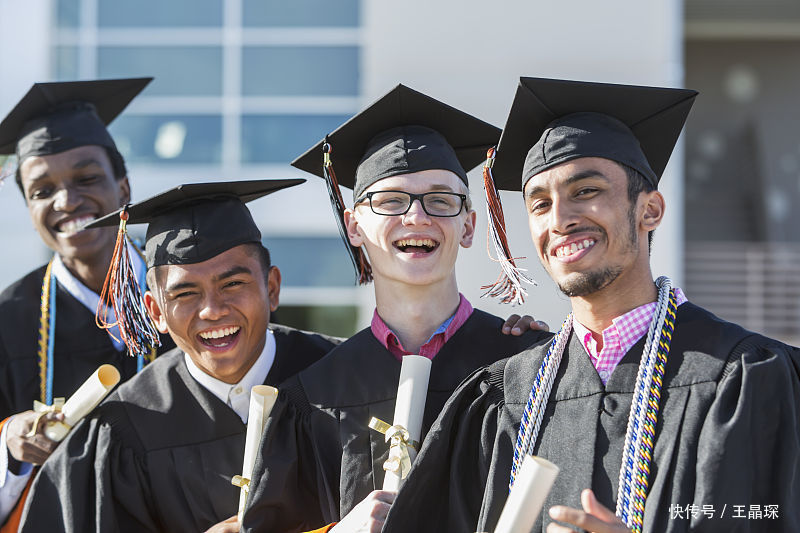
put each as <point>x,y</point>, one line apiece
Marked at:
<point>640,435</point>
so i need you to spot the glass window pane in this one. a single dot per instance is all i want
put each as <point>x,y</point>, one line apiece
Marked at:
<point>159,13</point>
<point>169,139</point>
<point>300,70</point>
<point>68,13</point>
<point>337,320</point>
<point>178,70</point>
<point>299,259</point>
<point>281,138</point>
<point>65,63</point>
<point>300,13</point>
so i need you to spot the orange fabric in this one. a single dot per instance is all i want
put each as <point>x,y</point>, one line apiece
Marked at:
<point>320,530</point>
<point>15,518</point>
<point>12,524</point>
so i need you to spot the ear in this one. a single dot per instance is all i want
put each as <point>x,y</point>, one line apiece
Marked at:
<point>353,233</point>
<point>469,229</point>
<point>653,212</point>
<point>155,312</point>
<point>274,288</point>
<point>124,191</point>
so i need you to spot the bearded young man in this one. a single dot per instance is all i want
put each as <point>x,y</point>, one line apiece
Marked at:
<point>646,402</point>
<point>406,157</point>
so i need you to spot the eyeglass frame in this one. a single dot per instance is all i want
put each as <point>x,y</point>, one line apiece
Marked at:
<point>413,197</point>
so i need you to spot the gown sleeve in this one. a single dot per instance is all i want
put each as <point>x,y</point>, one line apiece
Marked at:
<point>95,481</point>
<point>748,455</point>
<point>445,488</point>
<point>286,486</point>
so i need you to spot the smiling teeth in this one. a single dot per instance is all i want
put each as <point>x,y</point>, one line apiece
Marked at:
<point>75,225</point>
<point>570,249</point>
<point>219,333</point>
<point>428,243</point>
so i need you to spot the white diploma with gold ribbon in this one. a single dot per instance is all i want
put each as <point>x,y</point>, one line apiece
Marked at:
<point>531,487</point>
<point>405,433</point>
<point>262,399</point>
<point>80,404</point>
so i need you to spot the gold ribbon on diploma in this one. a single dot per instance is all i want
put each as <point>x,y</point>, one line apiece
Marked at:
<point>399,461</point>
<point>241,482</point>
<point>43,409</point>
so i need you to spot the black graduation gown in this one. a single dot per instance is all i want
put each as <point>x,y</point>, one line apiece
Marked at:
<point>157,455</point>
<point>80,346</point>
<point>728,434</point>
<point>318,457</point>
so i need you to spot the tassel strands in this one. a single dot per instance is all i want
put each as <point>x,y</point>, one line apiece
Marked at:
<point>508,286</point>
<point>357,255</point>
<point>121,292</point>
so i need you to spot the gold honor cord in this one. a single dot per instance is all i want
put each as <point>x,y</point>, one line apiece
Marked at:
<point>399,462</point>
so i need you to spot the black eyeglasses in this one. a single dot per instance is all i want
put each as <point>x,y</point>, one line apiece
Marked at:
<point>394,203</point>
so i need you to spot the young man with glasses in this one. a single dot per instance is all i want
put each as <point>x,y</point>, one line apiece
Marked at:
<point>406,158</point>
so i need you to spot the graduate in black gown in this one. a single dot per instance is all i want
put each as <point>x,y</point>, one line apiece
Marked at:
<point>406,158</point>
<point>160,452</point>
<point>726,425</point>
<point>69,172</point>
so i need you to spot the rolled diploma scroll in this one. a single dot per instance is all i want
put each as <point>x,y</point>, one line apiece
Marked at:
<point>524,503</point>
<point>412,391</point>
<point>81,403</point>
<point>262,399</point>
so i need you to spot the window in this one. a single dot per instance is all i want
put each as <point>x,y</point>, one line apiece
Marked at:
<point>281,138</point>
<point>169,139</point>
<point>184,13</point>
<point>300,71</point>
<point>311,261</point>
<point>178,70</point>
<point>342,13</point>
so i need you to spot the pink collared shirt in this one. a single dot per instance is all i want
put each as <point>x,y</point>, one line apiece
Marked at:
<point>442,334</point>
<point>619,337</point>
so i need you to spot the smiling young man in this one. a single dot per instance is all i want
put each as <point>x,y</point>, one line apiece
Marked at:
<point>160,452</point>
<point>70,173</point>
<point>406,158</point>
<point>660,416</point>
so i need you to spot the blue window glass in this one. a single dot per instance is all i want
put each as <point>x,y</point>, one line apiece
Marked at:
<point>65,63</point>
<point>68,13</point>
<point>281,138</point>
<point>299,259</point>
<point>300,13</point>
<point>300,71</point>
<point>169,139</point>
<point>124,13</point>
<point>178,70</point>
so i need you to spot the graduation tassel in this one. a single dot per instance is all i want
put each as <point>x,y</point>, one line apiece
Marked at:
<point>121,292</point>
<point>508,286</point>
<point>357,255</point>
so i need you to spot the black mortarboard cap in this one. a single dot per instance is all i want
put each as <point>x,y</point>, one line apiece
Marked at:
<point>554,121</point>
<point>58,116</point>
<point>194,222</point>
<point>404,131</point>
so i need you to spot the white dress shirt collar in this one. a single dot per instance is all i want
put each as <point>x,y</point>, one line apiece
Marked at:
<point>237,395</point>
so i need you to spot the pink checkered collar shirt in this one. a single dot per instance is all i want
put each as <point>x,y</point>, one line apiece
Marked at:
<point>442,334</point>
<point>619,337</point>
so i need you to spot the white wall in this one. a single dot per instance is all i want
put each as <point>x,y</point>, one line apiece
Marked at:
<point>471,54</point>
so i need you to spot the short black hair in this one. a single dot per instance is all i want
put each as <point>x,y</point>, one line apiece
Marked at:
<point>117,166</point>
<point>638,184</point>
